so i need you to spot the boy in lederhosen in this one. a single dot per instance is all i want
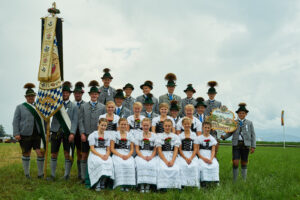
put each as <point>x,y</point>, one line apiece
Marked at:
<point>121,110</point>
<point>148,105</point>
<point>243,142</point>
<point>28,129</point>
<point>107,93</point>
<point>211,102</point>
<point>60,131</point>
<point>78,92</point>
<point>189,91</point>
<point>147,87</point>
<point>129,100</point>
<point>88,121</point>
<point>170,96</point>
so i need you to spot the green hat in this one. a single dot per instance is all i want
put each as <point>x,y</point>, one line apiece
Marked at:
<point>119,94</point>
<point>200,102</point>
<point>242,107</point>
<point>171,78</point>
<point>174,105</point>
<point>147,83</point>
<point>94,86</point>
<point>148,99</point>
<point>212,85</point>
<point>106,74</point>
<point>66,86</point>
<point>190,88</point>
<point>128,85</point>
<point>78,87</point>
<point>29,91</point>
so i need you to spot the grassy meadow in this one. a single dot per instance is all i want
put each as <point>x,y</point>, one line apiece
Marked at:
<point>273,173</point>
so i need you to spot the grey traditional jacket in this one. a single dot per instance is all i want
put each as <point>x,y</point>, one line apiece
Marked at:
<point>23,122</point>
<point>185,102</point>
<point>152,115</point>
<point>154,99</point>
<point>106,95</point>
<point>211,105</point>
<point>72,111</point>
<point>247,133</point>
<point>124,113</point>
<point>203,117</point>
<point>78,106</point>
<point>165,99</point>
<point>89,117</point>
<point>128,103</point>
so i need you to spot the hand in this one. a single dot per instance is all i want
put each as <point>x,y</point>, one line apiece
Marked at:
<point>83,137</point>
<point>18,137</point>
<point>125,157</point>
<point>105,157</point>
<point>145,158</point>
<point>222,137</point>
<point>209,161</point>
<point>206,160</point>
<point>71,138</point>
<point>252,150</point>
<point>188,160</point>
<point>149,158</point>
<point>171,163</point>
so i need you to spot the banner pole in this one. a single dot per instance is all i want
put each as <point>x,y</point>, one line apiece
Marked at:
<point>47,147</point>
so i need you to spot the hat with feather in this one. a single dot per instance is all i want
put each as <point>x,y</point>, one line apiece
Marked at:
<point>79,87</point>
<point>94,86</point>
<point>212,85</point>
<point>200,102</point>
<point>171,78</point>
<point>174,105</point>
<point>29,90</point>
<point>242,107</point>
<point>67,86</point>
<point>148,99</point>
<point>106,74</point>
<point>147,83</point>
<point>119,94</point>
<point>190,88</point>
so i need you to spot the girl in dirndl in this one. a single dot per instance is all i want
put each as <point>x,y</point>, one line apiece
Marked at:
<point>146,159</point>
<point>188,161</point>
<point>196,124</point>
<point>157,122</point>
<point>135,120</point>
<point>112,119</point>
<point>209,166</point>
<point>122,146</point>
<point>100,165</point>
<point>167,143</point>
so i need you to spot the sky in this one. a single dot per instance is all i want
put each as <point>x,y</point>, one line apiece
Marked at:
<point>251,48</point>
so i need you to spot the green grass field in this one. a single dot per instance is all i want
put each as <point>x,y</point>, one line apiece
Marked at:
<point>273,173</point>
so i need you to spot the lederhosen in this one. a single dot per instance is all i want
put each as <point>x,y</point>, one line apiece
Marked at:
<point>77,138</point>
<point>187,144</point>
<point>159,128</point>
<point>240,152</point>
<point>57,138</point>
<point>31,142</point>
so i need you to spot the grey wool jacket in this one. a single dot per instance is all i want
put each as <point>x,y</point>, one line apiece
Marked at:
<point>248,133</point>
<point>106,95</point>
<point>23,121</point>
<point>211,106</point>
<point>165,99</point>
<point>124,113</point>
<point>128,103</point>
<point>153,114</point>
<point>89,117</point>
<point>72,111</point>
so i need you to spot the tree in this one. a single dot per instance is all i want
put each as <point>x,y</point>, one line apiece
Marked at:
<point>2,131</point>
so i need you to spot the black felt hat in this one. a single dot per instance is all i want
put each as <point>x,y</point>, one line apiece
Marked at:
<point>79,87</point>
<point>67,86</point>
<point>147,83</point>
<point>29,91</point>
<point>128,85</point>
<point>212,85</point>
<point>106,74</point>
<point>200,102</point>
<point>190,88</point>
<point>148,99</point>
<point>119,94</point>
<point>242,107</point>
<point>171,78</point>
<point>94,86</point>
<point>174,105</point>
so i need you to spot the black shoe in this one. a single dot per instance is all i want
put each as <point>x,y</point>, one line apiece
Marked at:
<point>41,176</point>
<point>51,178</point>
<point>66,177</point>
<point>28,177</point>
<point>82,182</point>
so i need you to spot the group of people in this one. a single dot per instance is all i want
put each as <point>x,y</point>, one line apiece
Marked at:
<point>145,142</point>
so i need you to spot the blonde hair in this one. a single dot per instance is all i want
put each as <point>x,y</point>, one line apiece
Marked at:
<point>139,104</point>
<point>102,120</point>
<point>186,119</point>
<point>168,120</point>
<point>189,106</point>
<point>110,103</point>
<point>122,120</point>
<point>163,105</point>
<point>146,120</point>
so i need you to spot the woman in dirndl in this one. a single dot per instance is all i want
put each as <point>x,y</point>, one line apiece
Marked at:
<point>188,161</point>
<point>209,166</point>
<point>168,173</point>
<point>146,159</point>
<point>122,146</point>
<point>100,165</point>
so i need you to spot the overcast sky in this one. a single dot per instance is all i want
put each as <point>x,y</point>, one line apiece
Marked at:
<point>252,48</point>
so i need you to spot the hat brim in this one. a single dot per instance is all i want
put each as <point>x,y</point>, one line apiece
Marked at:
<point>146,85</point>
<point>190,90</point>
